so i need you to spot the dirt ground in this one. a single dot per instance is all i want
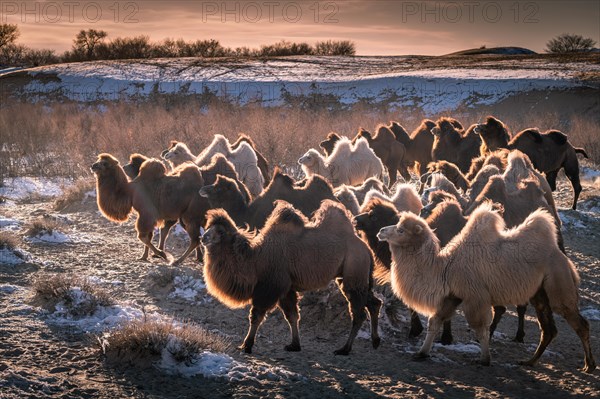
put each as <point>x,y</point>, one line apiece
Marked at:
<point>39,359</point>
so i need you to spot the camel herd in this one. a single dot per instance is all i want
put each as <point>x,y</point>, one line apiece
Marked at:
<point>480,232</point>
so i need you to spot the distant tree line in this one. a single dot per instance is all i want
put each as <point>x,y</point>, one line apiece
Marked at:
<point>92,44</point>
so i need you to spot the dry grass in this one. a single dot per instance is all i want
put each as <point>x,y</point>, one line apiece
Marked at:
<point>139,343</point>
<point>43,226</point>
<point>80,296</point>
<point>74,194</point>
<point>65,138</point>
<point>8,240</point>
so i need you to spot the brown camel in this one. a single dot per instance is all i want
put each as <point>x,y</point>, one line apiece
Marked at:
<point>290,254</point>
<point>453,145</point>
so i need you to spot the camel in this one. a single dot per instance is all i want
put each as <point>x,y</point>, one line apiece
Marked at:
<point>549,152</point>
<point>155,196</point>
<point>486,265</point>
<point>451,144</point>
<point>307,198</point>
<point>289,255</point>
<point>388,149</point>
<point>348,164</point>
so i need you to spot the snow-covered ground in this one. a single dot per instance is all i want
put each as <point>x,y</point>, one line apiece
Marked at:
<point>400,81</point>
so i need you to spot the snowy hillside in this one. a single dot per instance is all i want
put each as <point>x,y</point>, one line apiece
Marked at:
<point>431,83</point>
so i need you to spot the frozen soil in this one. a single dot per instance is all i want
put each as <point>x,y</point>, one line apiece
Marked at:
<point>40,358</point>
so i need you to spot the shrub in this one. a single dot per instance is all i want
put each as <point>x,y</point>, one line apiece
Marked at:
<point>568,43</point>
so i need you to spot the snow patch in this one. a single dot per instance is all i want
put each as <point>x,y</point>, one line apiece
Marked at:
<point>21,188</point>
<point>8,288</point>
<point>188,287</point>
<point>53,237</point>
<point>9,224</point>
<point>14,256</point>
<point>464,348</point>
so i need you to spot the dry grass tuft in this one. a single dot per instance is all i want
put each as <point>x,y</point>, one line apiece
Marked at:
<point>8,240</point>
<point>43,226</point>
<point>139,343</point>
<point>74,194</point>
<point>80,296</point>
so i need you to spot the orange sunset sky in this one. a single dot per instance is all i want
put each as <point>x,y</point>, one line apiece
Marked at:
<point>378,27</point>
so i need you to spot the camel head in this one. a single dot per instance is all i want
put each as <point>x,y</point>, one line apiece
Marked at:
<point>220,229</point>
<point>220,187</point>
<point>410,231</point>
<point>362,132</point>
<point>493,132</point>
<point>374,215</point>
<point>328,144</point>
<point>175,151</point>
<point>310,159</point>
<point>105,165</point>
<point>435,198</point>
<point>132,169</point>
<point>171,145</point>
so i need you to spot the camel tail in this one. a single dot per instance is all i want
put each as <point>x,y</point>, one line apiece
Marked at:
<point>581,151</point>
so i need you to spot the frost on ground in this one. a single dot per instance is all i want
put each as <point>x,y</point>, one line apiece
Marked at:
<point>22,188</point>
<point>402,81</point>
<point>188,287</point>
<point>14,256</point>
<point>9,224</point>
<point>218,365</point>
<point>50,237</point>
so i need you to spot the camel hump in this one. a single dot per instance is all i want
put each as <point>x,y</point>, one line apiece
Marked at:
<point>559,138</point>
<point>286,215</point>
<point>534,134</point>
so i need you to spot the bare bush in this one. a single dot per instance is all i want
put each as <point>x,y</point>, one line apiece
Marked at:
<point>139,343</point>
<point>43,226</point>
<point>569,43</point>
<point>8,240</point>
<point>74,194</point>
<point>80,296</point>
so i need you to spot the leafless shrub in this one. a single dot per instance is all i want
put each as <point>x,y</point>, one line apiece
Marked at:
<point>139,343</point>
<point>8,240</point>
<point>74,194</point>
<point>80,296</point>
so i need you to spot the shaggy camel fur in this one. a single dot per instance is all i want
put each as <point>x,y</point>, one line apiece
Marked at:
<point>372,183</point>
<point>418,144</point>
<point>437,181</point>
<point>494,135</point>
<point>329,143</point>
<point>451,172</point>
<point>306,198</point>
<point>451,144</point>
<point>154,195</point>
<point>290,254</point>
<point>348,199</point>
<point>374,215</point>
<point>388,149</point>
<point>244,160</point>
<point>405,198</point>
<point>549,152</point>
<point>435,282</point>
<point>263,165</point>
<point>347,164</point>
<point>497,158</point>
<point>481,180</point>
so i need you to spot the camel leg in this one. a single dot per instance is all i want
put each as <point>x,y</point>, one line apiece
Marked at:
<point>498,312</point>
<point>447,333</point>
<point>521,309</point>
<point>373,307</point>
<point>391,169</point>
<point>403,172</point>
<point>257,315</point>
<point>480,319</point>
<point>541,303</point>
<point>193,231</point>
<point>551,178</point>
<point>435,323</point>
<point>357,301</point>
<point>289,306</point>
<point>146,251</point>
<point>146,238</point>
<point>572,172</point>
<point>164,233</point>
<point>582,328</point>
<point>416,328</point>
